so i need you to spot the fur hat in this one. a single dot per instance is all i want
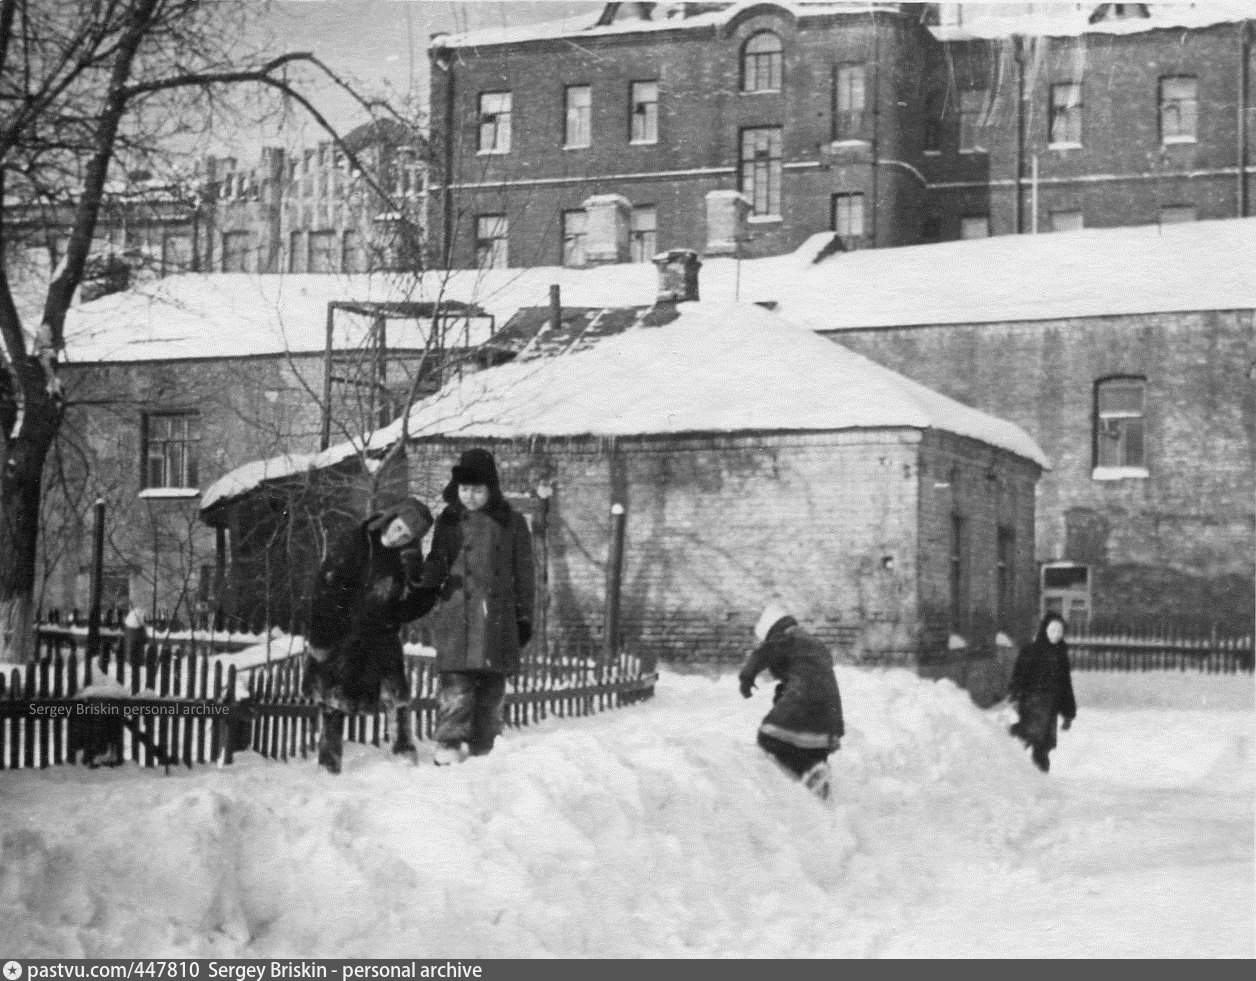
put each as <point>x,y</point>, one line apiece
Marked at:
<point>476,467</point>
<point>411,510</point>
<point>773,614</point>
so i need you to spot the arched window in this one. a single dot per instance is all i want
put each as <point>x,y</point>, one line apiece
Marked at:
<point>761,63</point>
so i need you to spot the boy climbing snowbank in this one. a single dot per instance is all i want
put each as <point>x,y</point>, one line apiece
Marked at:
<point>805,724</point>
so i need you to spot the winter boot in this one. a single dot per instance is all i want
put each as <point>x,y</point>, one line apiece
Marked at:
<point>1041,760</point>
<point>331,742</point>
<point>403,742</point>
<point>448,754</point>
<point>817,780</point>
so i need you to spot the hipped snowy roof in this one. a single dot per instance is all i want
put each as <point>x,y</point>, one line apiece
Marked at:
<point>221,315</point>
<point>1207,265</point>
<point>1037,20</point>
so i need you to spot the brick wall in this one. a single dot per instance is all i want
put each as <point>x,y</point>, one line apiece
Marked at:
<point>718,525</point>
<point>1175,547</point>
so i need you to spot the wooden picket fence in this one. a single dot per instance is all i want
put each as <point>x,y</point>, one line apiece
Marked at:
<point>177,706</point>
<point>1130,652</point>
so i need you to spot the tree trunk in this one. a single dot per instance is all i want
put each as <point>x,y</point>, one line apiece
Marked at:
<point>21,481</point>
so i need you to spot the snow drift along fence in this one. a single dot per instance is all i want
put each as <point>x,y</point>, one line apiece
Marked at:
<point>285,723</point>
<point>1129,652</point>
<point>177,706</point>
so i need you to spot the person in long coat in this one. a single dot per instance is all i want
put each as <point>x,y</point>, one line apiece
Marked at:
<point>1042,689</point>
<point>368,586</point>
<point>805,724</point>
<point>481,562</point>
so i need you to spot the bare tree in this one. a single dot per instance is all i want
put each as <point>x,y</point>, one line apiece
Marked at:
<point>86,86</point>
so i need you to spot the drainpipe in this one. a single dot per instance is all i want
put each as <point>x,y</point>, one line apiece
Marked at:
<point>873,212</point>
<point>1018,50</point>
<point>1245,42</point>
<point>447,194</point>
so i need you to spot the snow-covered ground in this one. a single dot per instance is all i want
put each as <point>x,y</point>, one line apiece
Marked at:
<point>662,830</point>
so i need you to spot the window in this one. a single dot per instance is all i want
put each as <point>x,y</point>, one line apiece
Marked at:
<point>574,225</point>
<point>848,215</point>
<point>761,169</point>
<point>761,63</point>
<point>170,441</point>
<point>322,252</point>
<point>959,573</point>
<point>237,252</point>
<point>1119,425</point>
<point>1066,221</point>
<point>850,89</point>
<point>1005,578</point>
<point>495,122</point>
<point>972,115</point>
<point>1174,214</point>
<point>351,252</point>
<point>643,238</point>
<point>1179,109</point>
<point>579,106</point>
<point>491,235</point>
<point>1066,114</point>
<point>645,112</point>
<point>294,251</point>
<point>1066,591</point>
<point>974,226</point>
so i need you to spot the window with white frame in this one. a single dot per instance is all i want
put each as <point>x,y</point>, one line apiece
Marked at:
<point>495,111</point>
<point>578,128</point>
<point>847,218</point>
<point>574,226</point>
<point>761,169</point>
<point>1174,214</point>
<point>1065,119</point>
<point>974,226</point>
<point>644,112</point>
<point>643,236</point>
<point>1120,404</point>
<point>761,63</point>
<point>170,441</point>
<point>1066,221</point>
<point>1065,591</point>
<point>1179,109</point>
<point>851,97</point>
<point>492,233</point>
<point>972,117</point>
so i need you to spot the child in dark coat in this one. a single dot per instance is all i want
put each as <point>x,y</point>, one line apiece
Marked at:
<point>367,587</point>
<point>805,724</point>
<point>1041,689</point>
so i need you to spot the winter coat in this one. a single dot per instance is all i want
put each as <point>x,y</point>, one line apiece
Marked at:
<point>807,709</point>
<point>363,595</point>
<point>481,562</point>
<point>1041,689</point>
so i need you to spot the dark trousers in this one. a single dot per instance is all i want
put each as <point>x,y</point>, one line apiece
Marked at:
<point>469,709</point>
<point>794,758</point>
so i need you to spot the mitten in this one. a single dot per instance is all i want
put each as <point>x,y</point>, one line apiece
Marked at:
<point>747,686</point>
<point>525,632</point>
<point>1066,723</point>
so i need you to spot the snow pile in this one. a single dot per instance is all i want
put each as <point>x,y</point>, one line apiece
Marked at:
<point>658,830</point>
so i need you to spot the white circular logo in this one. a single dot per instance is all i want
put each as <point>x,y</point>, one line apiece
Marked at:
<point>12,970</point>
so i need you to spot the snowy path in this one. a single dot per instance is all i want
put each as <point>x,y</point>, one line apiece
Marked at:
<point>662,830</point>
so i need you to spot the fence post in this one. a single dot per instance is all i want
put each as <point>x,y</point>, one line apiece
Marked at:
<point>614,578</point>
<point>97,581</point>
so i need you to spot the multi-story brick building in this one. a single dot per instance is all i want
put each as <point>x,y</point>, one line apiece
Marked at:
<point>889,123</point>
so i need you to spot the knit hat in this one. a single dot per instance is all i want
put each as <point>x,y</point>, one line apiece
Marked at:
<point>773,614</point>
<point>411,510</point>
<point>476,467</point>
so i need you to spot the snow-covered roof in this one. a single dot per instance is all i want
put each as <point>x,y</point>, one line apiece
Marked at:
<point>250,475</point>
<point>717,367</point>
<point>1073,19</point>
<point>665,17</point>
<point>220,315</point>
<point>1208,265</point>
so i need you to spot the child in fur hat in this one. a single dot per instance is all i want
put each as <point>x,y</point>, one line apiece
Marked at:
<point>805,724</point>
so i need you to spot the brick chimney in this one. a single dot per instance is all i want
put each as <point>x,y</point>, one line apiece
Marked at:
<point>725,221</point>
<point>678,276</point>
<point>606,229</point>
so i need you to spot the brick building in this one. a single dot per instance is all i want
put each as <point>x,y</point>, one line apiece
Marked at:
<point>755,459</point>
<point>172,384</point>
<point>889,123</point>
